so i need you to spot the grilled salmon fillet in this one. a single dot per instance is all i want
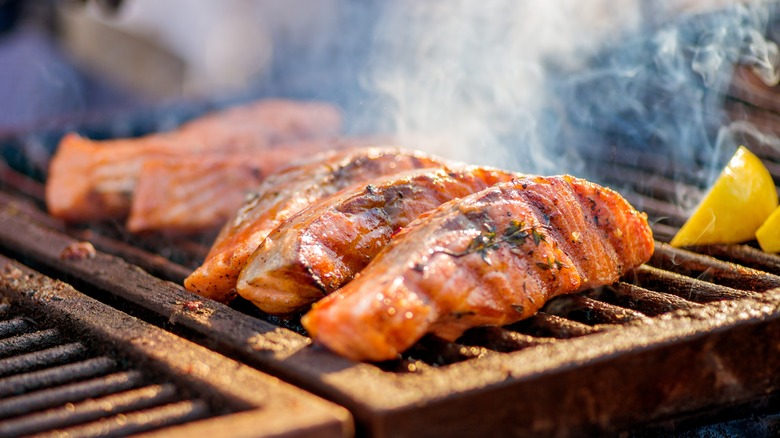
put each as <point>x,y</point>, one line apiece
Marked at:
<point>94,180</point>
<point>199,193</point>
<point>322,247</point>
<point>281,196</point>
<point>269,121</point>
<point>192,194</point>
<point>491,258</point>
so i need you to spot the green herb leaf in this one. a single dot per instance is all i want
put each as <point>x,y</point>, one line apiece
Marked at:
<point>538,237</point>
<point>515,235</point>
<point>543,266</point>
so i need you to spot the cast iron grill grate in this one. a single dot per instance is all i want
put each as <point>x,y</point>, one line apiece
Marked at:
<point>50,382</point>
<point>664,309</point>
<point>70,365</point>
<point>682,307</point>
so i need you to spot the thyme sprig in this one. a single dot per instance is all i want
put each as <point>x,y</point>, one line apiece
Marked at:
<point>515,235</point>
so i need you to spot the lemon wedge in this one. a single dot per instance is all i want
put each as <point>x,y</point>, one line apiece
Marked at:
<point>739,202</point>
<point>768,234</point>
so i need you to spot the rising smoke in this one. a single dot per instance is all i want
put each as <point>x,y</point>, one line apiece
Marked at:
<point>534,86</point>
<point>531,85</point>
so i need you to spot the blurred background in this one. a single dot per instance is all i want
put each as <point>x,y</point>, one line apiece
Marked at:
<point>61,57</point>
<point>522,84</point>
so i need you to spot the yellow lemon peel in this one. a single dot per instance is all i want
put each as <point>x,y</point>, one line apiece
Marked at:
<point>739,202</point>
<point>768,234</point>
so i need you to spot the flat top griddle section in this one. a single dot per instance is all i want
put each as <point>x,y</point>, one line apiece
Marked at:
<point>73,365</point>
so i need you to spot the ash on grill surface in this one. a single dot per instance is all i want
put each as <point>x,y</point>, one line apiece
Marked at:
<point>73,366</point>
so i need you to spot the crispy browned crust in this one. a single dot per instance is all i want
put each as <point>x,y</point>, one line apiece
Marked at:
<point>321,248</point>
<point>491,258</point>
<point>281,196</point>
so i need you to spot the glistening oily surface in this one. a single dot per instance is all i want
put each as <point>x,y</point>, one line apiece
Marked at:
<point>325,245</point>
<point>283,195</point>
<point>490,258</point>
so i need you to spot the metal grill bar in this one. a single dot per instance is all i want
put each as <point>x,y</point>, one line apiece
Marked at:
<point>648,302</point>
<point>432,350</point>
<point>55,376</point>
<point>646,183</point>
<point>640,160</point>
<point>42,358</point>
<point>13,327</point>
<point>152,263</point>
<point>548,325</point>
<point>74,392</point>
<point>589,311</point>
<point>137,422</point>
<point>743,255</point>
<point>717,271</point>
<point>500,339</point>
<point>663,232</point>
<point>685,287</point>
<point>29,342</point>
<point>89,410</point>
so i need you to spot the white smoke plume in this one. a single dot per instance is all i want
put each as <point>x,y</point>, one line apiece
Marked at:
<point>503,82</point>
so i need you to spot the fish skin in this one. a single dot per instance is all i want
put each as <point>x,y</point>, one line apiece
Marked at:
<point>322,247</point>
<point>433,278</point>
<point>281,196</point>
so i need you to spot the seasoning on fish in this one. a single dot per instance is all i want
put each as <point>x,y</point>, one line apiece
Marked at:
<point>491,258</point>
<point>322,247</point>
<point>199,193</point>
<point>94,180</point>
<point>284,194</point>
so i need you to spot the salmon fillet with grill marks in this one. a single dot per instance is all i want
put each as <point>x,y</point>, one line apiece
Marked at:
<point>281,196</point>
<point>491,258</point>
<point>94,180</point>
<point>321,248</point>
<point>198,193</point>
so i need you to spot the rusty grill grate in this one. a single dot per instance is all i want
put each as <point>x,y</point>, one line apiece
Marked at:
<point>72,366</point>
<point>683,307</point>
<point>670,340</point>
<point>48,382</point>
